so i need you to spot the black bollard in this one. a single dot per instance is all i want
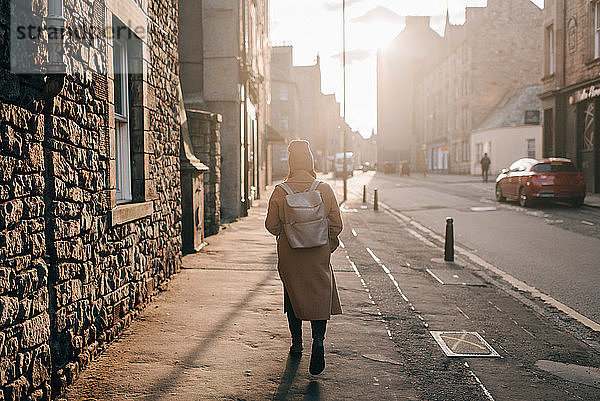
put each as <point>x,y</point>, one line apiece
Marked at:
<point>449,246</point>
<point>375,201</point>
<point>364,194</point>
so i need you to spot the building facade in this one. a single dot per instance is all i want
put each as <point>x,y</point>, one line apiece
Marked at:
<point>454,81</point>
<point>285,106</point>
<point>300,110</point>
<point>90,195</point>
<point>399,66</point>
<point>571,70</point>
<point>225,69</point>
<point>511,131</point>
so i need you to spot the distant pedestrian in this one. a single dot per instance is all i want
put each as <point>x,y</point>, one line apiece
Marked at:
<point>310,291</point>
<point>485,166</point>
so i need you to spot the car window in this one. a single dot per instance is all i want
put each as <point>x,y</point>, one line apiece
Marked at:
<point>554,167</point>
<point>515,166</point>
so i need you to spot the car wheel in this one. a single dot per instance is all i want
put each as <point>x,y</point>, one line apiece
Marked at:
<point>577,202</point>
<point>499,196</point>
<point>524,201</point>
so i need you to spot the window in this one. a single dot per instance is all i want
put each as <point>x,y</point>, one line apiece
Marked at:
<point>122,143</point>
<point>596,30</point>
<point>550,50</point>
<point>555,167</point>
<point>531,148</point>
<point>283,92</point>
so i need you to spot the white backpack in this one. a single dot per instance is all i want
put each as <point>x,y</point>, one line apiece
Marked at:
<point>306,225</point>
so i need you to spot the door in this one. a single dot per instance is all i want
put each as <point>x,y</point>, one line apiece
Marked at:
<point>588,147</point>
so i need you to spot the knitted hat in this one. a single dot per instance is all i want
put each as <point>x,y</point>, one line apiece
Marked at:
<point>301,158</point>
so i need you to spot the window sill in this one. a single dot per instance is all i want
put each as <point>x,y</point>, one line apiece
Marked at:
<point>128,212</point>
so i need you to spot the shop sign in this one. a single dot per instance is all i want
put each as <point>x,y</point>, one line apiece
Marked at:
<point>532,117</point>
<point>585,94</point>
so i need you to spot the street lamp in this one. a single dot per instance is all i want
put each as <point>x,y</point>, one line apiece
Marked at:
<point>345,167</point>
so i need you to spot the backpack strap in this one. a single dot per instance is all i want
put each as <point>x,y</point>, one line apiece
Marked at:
<point>314,185</point>
<point>286,188</point>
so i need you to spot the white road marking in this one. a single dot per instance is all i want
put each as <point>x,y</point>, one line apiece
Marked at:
<point>505,276</point>
<point>354,233</point>
<point>434,276</point>
<point>463,313</point>
<point>342,244</point>
<point>420,238</point>
<point>532,290</point>
<point>589,223</point>
<point>375,258</point>
<point>485,390</point>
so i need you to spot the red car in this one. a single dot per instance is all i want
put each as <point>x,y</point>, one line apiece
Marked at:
<point>552,178</point>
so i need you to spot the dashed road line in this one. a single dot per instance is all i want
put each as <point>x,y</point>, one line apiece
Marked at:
<point>589,223</point>
<point>463,313</point>
<point>504,275</point>
<point>387,271</point>
<point>354,233</point>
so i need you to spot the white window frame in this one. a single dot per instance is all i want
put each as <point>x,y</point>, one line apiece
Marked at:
<point>597,30</point>
<point>122,136</point>
<point>531,147</point>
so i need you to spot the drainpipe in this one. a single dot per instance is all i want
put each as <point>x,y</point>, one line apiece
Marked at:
<point>55,68</point>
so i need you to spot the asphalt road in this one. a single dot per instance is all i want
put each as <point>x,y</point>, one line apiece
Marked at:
<point>551,247</point>
<point>542,350</point>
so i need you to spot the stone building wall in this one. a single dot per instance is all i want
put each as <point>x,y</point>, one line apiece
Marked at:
<point>74,264</point>
<point>206,140</point>
<point>24,317</point>
<point>465,74</point>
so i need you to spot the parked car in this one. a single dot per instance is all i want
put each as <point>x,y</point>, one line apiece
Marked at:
<point>529,179</point>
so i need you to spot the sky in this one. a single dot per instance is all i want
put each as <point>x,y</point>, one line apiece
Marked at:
<point>315,27</point>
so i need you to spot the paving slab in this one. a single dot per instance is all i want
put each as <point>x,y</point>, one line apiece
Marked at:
<point>219,333</point>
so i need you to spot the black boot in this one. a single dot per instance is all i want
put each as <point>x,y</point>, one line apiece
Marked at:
<point>317,358</point>
<point>295,326</point>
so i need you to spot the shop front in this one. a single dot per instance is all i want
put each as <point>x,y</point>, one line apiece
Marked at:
<point>584,106</point>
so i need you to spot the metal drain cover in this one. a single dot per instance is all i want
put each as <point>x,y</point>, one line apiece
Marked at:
<point>463,344</point>
<point>455,277</point>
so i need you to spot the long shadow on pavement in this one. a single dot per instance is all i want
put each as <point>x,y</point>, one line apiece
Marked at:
<point>313,392</point>
<point>291,367</point>
<point>164,386</point>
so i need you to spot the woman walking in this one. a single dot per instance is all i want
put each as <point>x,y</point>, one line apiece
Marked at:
<point>310,292</point>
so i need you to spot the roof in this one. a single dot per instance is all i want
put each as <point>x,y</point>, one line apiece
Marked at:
<point>510,111</point>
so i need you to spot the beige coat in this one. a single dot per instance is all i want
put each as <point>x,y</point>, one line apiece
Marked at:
<point>306,273</point>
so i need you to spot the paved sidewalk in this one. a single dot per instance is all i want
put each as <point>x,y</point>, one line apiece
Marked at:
<point>218,333</point>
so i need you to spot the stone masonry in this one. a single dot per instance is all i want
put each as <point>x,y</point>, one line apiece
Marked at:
<point>206,140</point>
<point>75,265</point>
